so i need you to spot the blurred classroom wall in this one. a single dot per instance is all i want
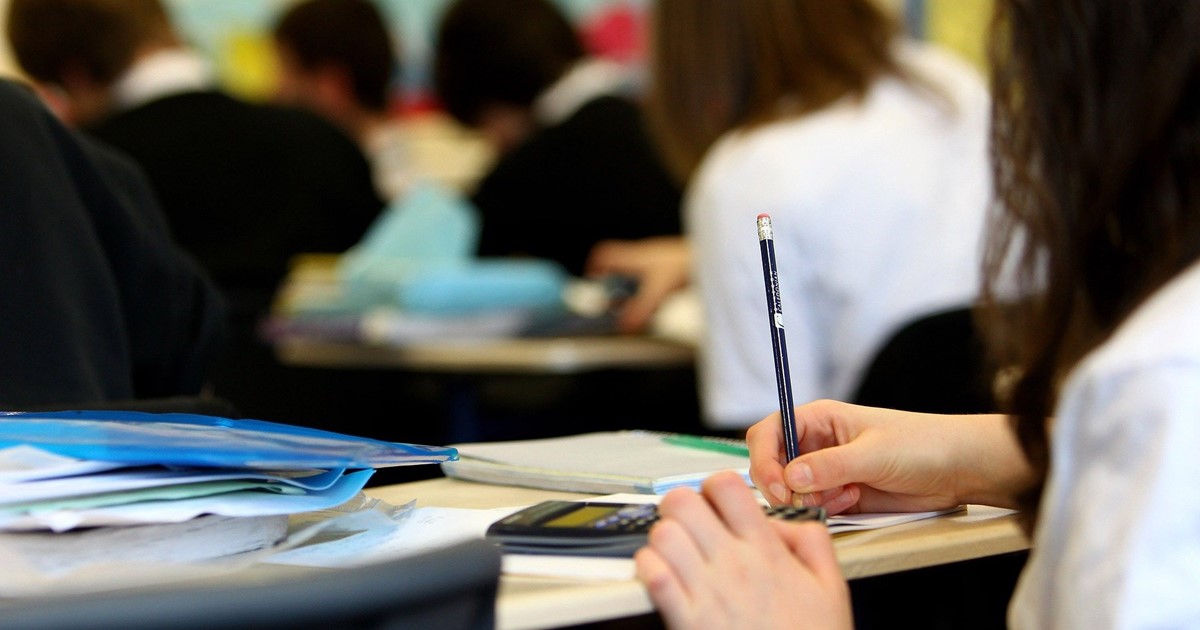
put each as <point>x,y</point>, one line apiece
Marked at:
<point>234,34</point>
<point>960,25</point>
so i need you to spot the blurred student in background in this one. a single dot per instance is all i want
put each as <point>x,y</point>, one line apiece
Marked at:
<point>867,149</point>
<point>337,58</point>
<point>244,186</point>
<point>575,166</point>
<point>99,303</point>
<point>1097,231</point>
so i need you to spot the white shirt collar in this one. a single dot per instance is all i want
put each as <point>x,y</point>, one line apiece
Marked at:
<point>585,81</point>
<point>160,74</point>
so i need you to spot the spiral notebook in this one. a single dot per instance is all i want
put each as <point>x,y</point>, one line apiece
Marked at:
<point>606,462</point>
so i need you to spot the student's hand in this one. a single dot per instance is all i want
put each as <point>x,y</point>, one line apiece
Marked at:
<point>865,459</point>
<point>715,561</point>
<point>662,265</point>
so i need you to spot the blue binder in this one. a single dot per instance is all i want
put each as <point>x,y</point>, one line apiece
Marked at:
<point>176,439</point>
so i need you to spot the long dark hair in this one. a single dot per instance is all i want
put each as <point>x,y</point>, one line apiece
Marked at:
<point>1096,157</point>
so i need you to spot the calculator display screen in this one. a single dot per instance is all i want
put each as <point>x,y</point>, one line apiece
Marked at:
<point>581,516</point>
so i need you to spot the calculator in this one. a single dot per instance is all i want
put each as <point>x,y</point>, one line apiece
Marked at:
<point>578,528</point>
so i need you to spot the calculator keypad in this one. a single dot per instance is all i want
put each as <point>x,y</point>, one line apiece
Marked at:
<point>792,513</point>
<point>635,518</point>
<point>631,518</point>
<point>617,530</point>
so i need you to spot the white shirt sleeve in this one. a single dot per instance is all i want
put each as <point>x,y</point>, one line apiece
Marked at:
<point>1118,539</point>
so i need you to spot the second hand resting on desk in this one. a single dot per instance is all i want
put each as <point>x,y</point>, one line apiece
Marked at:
<point>556,594</point>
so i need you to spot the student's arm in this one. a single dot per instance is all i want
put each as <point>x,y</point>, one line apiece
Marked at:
<point>865,459</point>
<point>661,265</point>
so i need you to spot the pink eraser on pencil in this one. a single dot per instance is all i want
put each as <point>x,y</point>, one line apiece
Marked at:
<point>764,215</point>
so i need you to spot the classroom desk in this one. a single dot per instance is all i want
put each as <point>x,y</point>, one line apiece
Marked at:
<point>527,603</point>
<point>484,389</point>
<point>480,383</point>
<point>554,355</point>
<point>312,277</point>
<point>465,370</point>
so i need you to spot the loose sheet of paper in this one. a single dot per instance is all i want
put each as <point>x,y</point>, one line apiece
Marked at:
<point>429,528</point>
<point>22,577</point>
<point>424,529</point>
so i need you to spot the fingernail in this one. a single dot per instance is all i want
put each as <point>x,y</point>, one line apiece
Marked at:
<point>799,476</point>
<point>841,502</point>
<point>779,491</point>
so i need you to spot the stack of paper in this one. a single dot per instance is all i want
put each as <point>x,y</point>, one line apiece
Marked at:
<point>645,462</point>
<point>84,488</point>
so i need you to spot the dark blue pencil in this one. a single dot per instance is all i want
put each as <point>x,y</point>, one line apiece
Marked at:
<point>783,376</point>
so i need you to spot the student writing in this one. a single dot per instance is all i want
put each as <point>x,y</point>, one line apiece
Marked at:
<point>1092,289</point>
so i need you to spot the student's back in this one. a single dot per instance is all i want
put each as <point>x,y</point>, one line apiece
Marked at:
<point>98,303</point>
<point>574,158</point>
<point>878,209</point>
<point>246,186</point>
<point>338,58</point>
<point>590,177</point>
<point>869,152</point>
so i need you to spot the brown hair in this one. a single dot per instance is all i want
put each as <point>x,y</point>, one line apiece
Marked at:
<point>349,33</point>
<point>719,65</point>
<point>49,37</point>
<point>1096,158</point>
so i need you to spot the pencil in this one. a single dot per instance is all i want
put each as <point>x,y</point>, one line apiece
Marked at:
<point>783,376</point>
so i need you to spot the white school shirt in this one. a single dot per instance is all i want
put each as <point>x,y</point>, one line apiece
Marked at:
<point>1117,544</point>
<point>160,74</point>
<point>878,208</point>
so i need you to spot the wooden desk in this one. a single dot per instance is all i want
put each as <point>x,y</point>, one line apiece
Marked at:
<point>556,355</point>
<point>530,603</point>
<point>313,279</point>
<point>526,602</point>
<point>472,376</point>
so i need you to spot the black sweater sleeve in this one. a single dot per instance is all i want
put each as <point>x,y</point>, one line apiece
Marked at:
<point>98,302</point>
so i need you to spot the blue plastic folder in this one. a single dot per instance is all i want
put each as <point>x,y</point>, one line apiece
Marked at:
<point>135,438</point>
